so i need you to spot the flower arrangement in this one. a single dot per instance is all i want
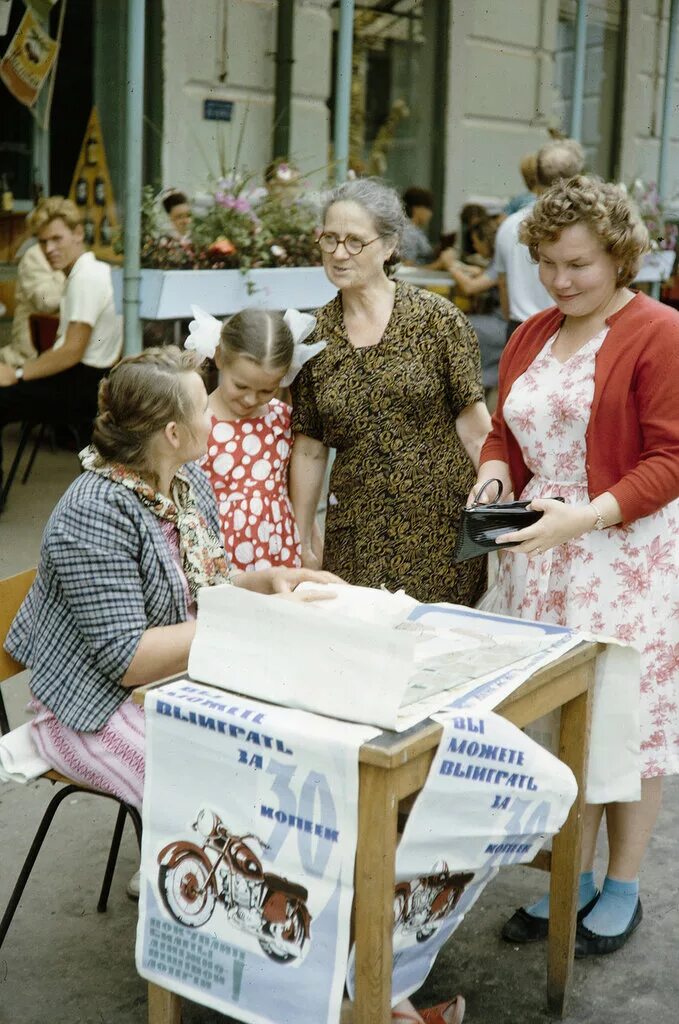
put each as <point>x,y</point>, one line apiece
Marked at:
<point>238,224</point>
<point>663,232</point>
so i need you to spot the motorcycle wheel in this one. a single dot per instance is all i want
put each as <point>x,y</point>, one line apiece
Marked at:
<point>185,891</point>
<point>278,938</point>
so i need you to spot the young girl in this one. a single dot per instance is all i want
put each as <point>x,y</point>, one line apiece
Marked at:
<point>256,353</point>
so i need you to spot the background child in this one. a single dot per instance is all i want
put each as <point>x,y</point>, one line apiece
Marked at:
<point>256,353</point>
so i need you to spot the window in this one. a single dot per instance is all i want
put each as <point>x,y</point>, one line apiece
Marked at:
<point>398,90</point>
<point>601,113</point>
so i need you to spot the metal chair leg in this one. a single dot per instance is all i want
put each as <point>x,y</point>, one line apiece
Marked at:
<point>4,721</point>
<point>31,857</point>
<point>112,858</point>
<point>23,441</point>
<point>36,446</point>
<point>135,817</point>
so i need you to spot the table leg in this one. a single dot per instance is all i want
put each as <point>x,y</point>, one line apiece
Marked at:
<point>566,849</point>
<point>164,1007</point>
<point>374,895</point>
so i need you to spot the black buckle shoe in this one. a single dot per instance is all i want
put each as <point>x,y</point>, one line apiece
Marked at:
<point>588,943</point>
<point>525,927</point>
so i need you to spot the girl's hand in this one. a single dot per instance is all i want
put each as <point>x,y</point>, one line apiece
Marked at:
<point>316,546</point>
<point>310,558</point>
<point>559,524</point>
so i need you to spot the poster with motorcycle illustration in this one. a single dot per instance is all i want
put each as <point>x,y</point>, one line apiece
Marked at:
<point>250,818</point>
<point>492,797</point>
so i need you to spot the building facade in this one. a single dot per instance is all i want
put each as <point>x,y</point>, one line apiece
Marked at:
<point>447,94</point>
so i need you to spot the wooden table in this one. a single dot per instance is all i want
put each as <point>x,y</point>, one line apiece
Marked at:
<point>394,766</point>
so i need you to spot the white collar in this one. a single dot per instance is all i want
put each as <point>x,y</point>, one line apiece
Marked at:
<point>83,261</point>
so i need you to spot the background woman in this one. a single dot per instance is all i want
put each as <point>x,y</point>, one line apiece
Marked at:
<point>123,556</point>
<point>397,392</point>
<point>587,410</point>
<point>178,210</point>
<point>480,285</point>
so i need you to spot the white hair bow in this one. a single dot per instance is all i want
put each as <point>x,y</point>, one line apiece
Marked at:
<point>301,325</point>
<point>204,331</point>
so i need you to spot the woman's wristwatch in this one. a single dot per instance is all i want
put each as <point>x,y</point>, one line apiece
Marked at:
<point>599,523</point>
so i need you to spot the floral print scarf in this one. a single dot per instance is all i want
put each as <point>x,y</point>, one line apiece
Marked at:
<point>202,554</point>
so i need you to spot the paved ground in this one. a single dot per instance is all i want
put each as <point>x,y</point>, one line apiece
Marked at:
<point>62,963</point>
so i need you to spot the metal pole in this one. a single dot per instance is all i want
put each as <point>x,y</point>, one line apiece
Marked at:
<point>284,62</point>
<point>134,139</point>
<point>345,43</point>
<point>579,57</point>
<point>666,129</point>
<point>666,126</point>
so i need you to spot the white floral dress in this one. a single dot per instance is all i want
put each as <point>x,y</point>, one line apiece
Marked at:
<point>622,582</point>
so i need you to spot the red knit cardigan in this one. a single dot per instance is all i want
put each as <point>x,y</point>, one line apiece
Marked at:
<point>632,438</point>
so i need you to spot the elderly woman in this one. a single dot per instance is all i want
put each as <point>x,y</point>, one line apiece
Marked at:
<point>123,556</point>
<point>587,411</point>
<point>397,392</point>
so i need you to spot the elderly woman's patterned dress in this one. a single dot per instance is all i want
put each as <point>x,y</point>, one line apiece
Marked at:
<point>401,476</point>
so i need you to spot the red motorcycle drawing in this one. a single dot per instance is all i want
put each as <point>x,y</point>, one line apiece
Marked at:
<point>422,904</point>
<point>193,878</point>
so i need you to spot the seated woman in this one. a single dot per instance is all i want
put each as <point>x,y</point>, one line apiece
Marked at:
<point>123,556</point>
<point>416,249</point>
<point>480,284</point>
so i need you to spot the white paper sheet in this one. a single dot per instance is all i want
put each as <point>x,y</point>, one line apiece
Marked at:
<point>366,655</point>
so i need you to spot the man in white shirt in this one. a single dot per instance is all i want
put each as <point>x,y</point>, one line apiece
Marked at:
<point>61,385</point>
<point>521,293</point>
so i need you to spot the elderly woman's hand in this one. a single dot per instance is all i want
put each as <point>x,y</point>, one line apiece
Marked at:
<point>492,470</point>
<point>559,524</point>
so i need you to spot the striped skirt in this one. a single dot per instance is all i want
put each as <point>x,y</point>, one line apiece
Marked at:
<point>111,760</point>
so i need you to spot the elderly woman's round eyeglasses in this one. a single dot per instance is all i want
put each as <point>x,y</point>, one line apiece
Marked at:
<point>353,245</point>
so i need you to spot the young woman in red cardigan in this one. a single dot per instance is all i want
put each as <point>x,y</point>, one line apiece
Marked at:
<point>588,410</point>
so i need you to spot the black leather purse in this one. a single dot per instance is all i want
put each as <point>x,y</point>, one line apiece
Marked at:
<point>481,524</point>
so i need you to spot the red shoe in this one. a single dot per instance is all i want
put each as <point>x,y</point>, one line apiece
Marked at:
<point>435,1014</point>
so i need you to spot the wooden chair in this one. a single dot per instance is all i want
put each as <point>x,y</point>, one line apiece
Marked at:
<point>13,590</point>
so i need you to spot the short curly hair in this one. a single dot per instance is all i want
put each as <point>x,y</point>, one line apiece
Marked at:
<point>603,207</point>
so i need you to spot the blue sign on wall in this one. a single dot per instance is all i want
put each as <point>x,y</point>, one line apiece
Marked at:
<point>217,110</point>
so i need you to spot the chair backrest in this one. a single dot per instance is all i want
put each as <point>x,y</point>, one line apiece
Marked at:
<point>13,590</point>
<point>43,327</point>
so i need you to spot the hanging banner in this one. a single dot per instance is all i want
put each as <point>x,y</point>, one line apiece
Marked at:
<point>492,797</point>
<point>249,840</point>
<point>28,60</point>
